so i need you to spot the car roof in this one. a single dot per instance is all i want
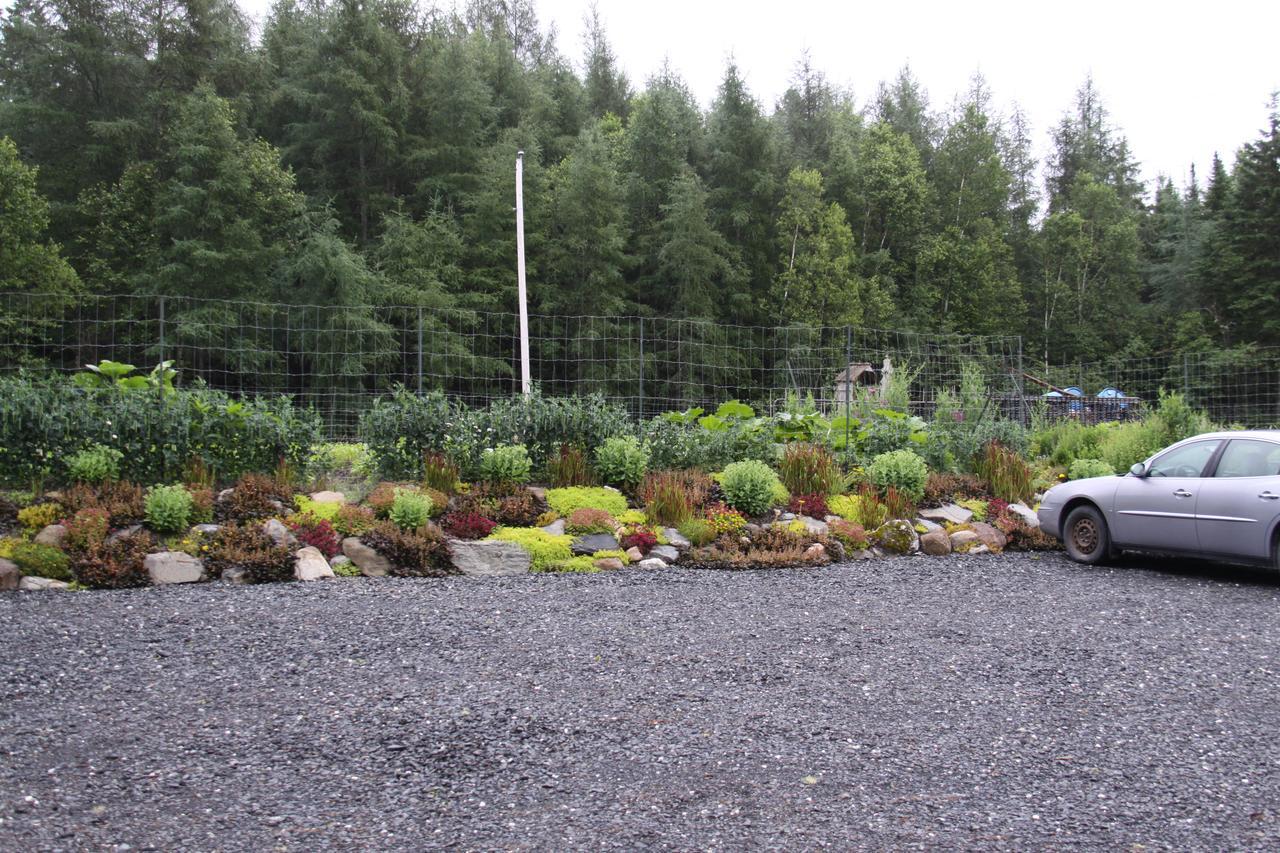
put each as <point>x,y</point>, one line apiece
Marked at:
<point>1265,434</point>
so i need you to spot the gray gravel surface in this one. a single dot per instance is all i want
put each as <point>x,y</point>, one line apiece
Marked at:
<point>1008,702</point>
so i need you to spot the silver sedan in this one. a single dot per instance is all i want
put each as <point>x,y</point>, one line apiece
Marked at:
<point>1215,495</point>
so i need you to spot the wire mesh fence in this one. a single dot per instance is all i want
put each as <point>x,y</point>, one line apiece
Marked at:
<point>339,358</point>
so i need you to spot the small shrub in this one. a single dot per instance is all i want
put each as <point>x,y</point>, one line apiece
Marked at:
<point>168,509</point>
<point>246,546</point>
<point>698,531</point>
<point>943,487</point>
<point>409,510</point>
<point>39,516</point>
<point>587,520</point>
<point>903,470</point>
<point>201,503</point>
<point>86,530</point>
<point>809,469</point>
<point>622,461</point>
<point>1082,469</point>
<point>439,501</point>
<point>814,506</point>
<point>632,517</point>
<point>725,519</point>
<point>97,464</point>
<point>353,520</point>
<point>565,501</point>
<point>318,533</point>
<point>467,525</point>
<point>420,553</point>
<point>850,534</point>
<point>122,501</point>
<point>544,549</point>
<point>897,504</point>
<point>508,463</point>
<point>341,461</point>
<point>568,467</point>
<point>643,539</point>
<point>327,510</point>
<point>1006,472</point>
<point>749,486</point>
<point>521,508</point>
<point>254,497</point>
<point>42,561</point>
<point>383,495</point>
<point>439,473</point>
<point>115,563</point>
<point>347,570</point>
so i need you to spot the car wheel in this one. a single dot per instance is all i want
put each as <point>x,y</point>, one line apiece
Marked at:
<point>1086,536</point>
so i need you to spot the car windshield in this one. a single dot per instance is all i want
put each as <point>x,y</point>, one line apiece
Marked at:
<point>1186,461</point>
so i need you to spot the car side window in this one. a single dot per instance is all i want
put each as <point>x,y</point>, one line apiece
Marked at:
<point>1186,461</point>
<point>1249,457</point>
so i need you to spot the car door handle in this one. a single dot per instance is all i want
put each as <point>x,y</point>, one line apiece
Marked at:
<point>1267,496</point>
<point>1181,493</point>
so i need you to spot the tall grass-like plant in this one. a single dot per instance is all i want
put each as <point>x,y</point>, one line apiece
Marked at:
<point>1006,472</point>
<point>810,469</point>
<point>568,467</point>
<point>438,472</point>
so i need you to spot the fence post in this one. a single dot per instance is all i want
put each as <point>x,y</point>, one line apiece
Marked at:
<point>161,328</point>
<point>419,349</point>
<point>641,411</point>
<point>1186,378</point>
<point>1021,389</point>
<point>848,383</point>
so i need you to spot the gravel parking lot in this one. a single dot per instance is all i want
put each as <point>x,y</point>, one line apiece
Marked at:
<point>992,702</point>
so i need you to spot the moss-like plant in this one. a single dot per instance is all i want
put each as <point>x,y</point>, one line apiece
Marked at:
<point>168,509</point>
<point>750,486</point>
<point>565,501</point>
<point>42,561</point>
<point>326,510</point>
<point>544,549</point>
<point>579,565</point>
<point>611,553</point>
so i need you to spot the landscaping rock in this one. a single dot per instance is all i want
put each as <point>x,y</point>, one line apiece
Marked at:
<point>962,539</point>
<point>206,529</point>
<point>651,563</point>
<point>831,518</point>
<point>224,494</point>
<point>609,564</point>
<point>673,536</point>
<point>929,526</point>
<point>589,544</point>
<point>124,531</point>
<point>371,563</point>
<point>634,554</point>
<point>555,528</point>
<point>168,567</point>
<point>897,536</point>
<point>787,516</point>
<point>538,492</point>
<point>953,513</point>
<point>481,559</point>
<point>979,549</point>
<point>666,553</point>
<point>53,535</point>
<point>235,575</point>
<point>815,527</point>
<point>816,553</point>
<point>340,560</point>
<point>310,565</point>
<point>279,533</point>
<point>994,539</point>
<point>329,497</point>
<point>34,584</point>
<point>10,574</point>
<point>861,554</point>
<point>1027,514</point>
<point>936,543</point>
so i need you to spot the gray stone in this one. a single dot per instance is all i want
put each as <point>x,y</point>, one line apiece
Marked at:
<point>310,565</point>
<point>34,584</point>
<point>609,564</point>
<point>278,505</point>
<point>207,529</point>
<point>666,553</point>
<point>589,544</point>
<point>831,518</point>
<point>651,563</point>
<point>167,567</point>
<point>235,575</point>
<point>53,535</point>
<point>861,554</point>
<point>787,516</point>
<point>953,513</point>
<point>371,563</point>
<point>962,538</point>
<point>936,543</point>
<point>673,536</point>
<point>816,553</point>
<point>329,497</point>
<point>1026,514</point>
<point>538,492</point>
<point>481,559</point>
<point>224,494</point>
<point>979,549</point>
<point>929,526</point>
<point>279,533</point>
<point>124,531</point>
<point>10,574</point>
<point>555,528</point>
<point>815,527</point>
<point>340,560</point>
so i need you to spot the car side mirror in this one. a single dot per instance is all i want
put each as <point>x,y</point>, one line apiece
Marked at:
<point>1138,469</point>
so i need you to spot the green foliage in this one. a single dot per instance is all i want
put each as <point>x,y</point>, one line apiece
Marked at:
<point>698,531</point>
<point>168,509</point>
<point>862,509</point>
<point>338,460</point>
<point>674,444</point>
<point>319,510</point>
<point>1084,468</point>
<point>568,467</point>
<point>38,516</point>
<point>579,565</point>
<point>622,461</point>
<point>409,510</point>
<point>900,469</point>
<point>42,561</point>
<point>1006,472</point>
<point>113,374</point>
<point>96,464</point>
<point>807,469</point>
<point>506,464</point>
<point>750,486</point>
<point>439,473</point>
<point>544,549</point>
<point>566,501</point>
<point>975,506</point>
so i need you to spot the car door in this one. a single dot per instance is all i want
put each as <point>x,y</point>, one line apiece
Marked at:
<point>1158,510</point>
<point>1238,505</point>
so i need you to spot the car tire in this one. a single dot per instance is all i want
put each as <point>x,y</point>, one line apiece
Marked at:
<point>1086,537</point>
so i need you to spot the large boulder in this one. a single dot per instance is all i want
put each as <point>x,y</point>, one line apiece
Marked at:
<point>953,513</point>
<point>371,563</point>
<point>486,559</point>
<point>10,574</point>
<point>815,527</point>
<point>963,540</point>
<point>592,542</point>
<point>310,565</point>
<point>897,536</point>
<point>279,534</point>
<point>666,553</point>
<point>53,535</point>
<point>328,497</point>
<point>166,567</point>
<point>673,536</point>
<point>994,539</point>
<point>936,543</point>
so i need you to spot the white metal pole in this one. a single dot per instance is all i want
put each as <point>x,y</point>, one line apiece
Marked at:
<point>524,309</point>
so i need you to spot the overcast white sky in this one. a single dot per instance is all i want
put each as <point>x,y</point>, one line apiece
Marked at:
<point>1182,80</point>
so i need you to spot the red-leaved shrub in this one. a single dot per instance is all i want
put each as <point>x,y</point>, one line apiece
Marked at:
<point>467,525</point>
